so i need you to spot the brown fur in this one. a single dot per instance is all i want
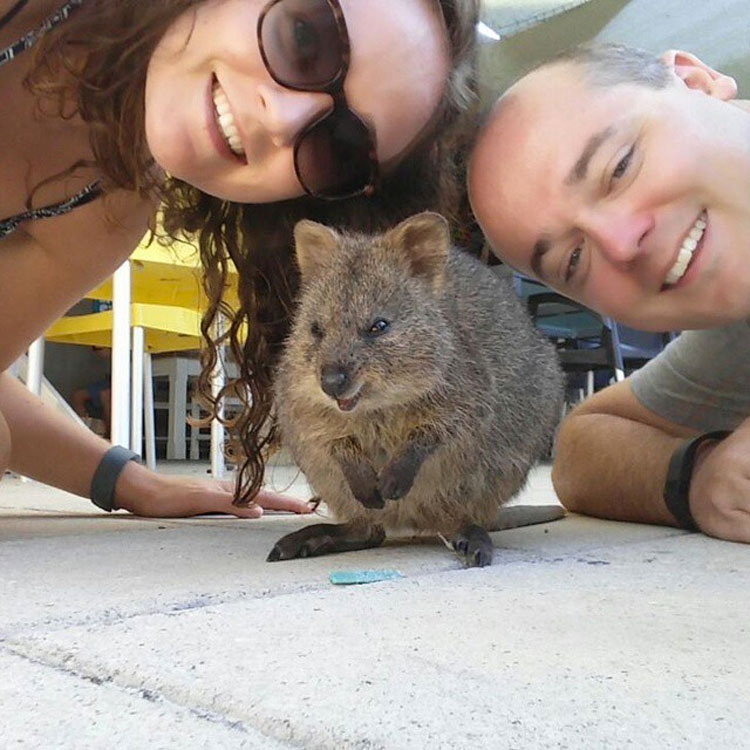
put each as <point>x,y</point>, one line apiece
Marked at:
<point>460,393</point>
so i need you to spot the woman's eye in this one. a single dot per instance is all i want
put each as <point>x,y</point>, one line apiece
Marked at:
<point>573,261</point>
<point>379,327</point>
<point>623,164</point>
<point>304,44</point>
<point>304,36</point>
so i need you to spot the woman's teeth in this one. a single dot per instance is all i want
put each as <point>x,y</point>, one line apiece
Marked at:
<point>226,121</point>
<point>686,251</point>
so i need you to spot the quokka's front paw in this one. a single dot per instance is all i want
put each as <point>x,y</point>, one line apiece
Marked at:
<point>363,482</point>
<point>371,500</point>
<point>397,478</point>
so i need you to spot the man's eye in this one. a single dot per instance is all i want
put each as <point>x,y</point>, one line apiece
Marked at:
<point>623,164</point>
<point>573,261</point>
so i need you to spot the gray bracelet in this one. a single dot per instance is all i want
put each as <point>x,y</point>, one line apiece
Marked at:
<point>102,492</point>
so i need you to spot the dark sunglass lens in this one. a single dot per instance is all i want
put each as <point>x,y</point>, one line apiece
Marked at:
<point>333,158</point>
<point>302,43</point>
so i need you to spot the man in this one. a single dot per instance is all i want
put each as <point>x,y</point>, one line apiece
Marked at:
<point>623,181</point>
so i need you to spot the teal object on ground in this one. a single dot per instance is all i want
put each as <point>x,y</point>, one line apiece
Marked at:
<point>349,577</point>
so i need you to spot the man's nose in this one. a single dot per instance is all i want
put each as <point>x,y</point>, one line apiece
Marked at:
<point>285,112</point>
<point>620,235</point>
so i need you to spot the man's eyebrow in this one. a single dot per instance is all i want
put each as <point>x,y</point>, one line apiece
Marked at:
<point>576,175</point>
<point>541,247</point>
<point>580,168</point>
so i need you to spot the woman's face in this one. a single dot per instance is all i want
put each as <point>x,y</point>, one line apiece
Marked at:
<point>399,64</point>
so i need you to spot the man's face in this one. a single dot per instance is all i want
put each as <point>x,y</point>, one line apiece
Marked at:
<point>634,201</point>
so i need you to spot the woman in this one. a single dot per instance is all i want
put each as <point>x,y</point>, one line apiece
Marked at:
<point>261,113</point>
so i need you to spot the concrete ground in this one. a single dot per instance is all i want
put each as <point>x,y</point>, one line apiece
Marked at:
<point>145,634</point>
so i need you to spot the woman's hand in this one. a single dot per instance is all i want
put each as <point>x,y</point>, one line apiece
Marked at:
<point>143,493</point>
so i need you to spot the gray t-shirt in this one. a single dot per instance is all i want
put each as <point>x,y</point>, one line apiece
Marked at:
<point>701,380</point>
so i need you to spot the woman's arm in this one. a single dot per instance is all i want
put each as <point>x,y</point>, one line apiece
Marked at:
<point>47,446</point>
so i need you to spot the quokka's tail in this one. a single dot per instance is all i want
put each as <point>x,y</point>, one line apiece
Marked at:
<point>526,515</point>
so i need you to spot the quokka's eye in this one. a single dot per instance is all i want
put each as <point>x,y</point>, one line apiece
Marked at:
<point>316,330</point>
<point>379,327</point>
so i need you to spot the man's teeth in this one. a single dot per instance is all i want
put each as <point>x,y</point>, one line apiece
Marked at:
<point>226,121</point>
<point>686,251</point>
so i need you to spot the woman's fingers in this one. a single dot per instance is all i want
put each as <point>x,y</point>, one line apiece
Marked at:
<point>275,501</point>
<point>179,497</point>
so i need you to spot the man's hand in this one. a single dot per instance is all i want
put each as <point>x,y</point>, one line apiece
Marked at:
<point>720,487</point>
<point>146,494</point>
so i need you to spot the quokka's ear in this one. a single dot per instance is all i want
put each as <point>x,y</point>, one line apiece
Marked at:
<point>425,241</point>
<point>315,244</point>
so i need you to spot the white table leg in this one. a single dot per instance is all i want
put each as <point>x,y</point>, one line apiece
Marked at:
<point>120,430</point>
<point>136,393</point>
<point>148,411</point>
<point>178,378</point>
<point>218,379</point>
<point>195,430</point>
<point>35,367</point>
<point>35,372</point>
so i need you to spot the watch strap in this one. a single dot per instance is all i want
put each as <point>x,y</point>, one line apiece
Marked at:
<point>679,474</point>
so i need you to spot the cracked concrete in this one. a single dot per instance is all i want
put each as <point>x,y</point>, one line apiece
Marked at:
<point>176,633</point>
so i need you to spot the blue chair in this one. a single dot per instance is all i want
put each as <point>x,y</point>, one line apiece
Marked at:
<point>586,341</point>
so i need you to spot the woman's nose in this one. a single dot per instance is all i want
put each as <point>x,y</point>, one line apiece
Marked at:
<point>621,236</point>
<point>284,112</point>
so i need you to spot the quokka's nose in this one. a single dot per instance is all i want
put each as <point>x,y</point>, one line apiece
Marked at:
<point>334,380</point>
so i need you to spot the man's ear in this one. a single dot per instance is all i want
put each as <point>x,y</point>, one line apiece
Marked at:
<point>697,75</point>
<point>425,241</point>
<point>315,244</point>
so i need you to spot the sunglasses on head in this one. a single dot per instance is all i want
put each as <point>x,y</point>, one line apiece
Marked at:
<point>305,47</point>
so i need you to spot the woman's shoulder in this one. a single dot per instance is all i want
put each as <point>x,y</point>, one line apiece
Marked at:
<point>98,235</point>
<point>50,264</point>
<point>34,146</point>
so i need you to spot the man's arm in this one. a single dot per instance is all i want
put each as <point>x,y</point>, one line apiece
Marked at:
<point>612,455</point>
<point>611,461</point>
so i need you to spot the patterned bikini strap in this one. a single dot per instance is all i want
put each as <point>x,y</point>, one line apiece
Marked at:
<point>28,40</point>
<point>89,193</point>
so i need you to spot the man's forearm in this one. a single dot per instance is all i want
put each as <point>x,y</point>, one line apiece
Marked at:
<point>613,467</point>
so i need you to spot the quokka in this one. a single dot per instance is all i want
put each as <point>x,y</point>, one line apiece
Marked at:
<point>413,392</point>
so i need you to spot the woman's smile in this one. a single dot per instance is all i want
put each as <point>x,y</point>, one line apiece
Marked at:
<point>220,125</point>
<point>225,120</point>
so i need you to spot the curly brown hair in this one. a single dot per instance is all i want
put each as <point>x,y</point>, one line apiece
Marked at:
<point>95,64</point>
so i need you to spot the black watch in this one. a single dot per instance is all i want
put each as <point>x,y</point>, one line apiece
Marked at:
<point>679,474</point>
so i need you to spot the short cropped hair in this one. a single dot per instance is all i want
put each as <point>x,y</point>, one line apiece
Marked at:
<point>612,64</point>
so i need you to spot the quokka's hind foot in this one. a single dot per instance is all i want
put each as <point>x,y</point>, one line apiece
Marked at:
<point>324,539</point>
<point>474,546</point>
